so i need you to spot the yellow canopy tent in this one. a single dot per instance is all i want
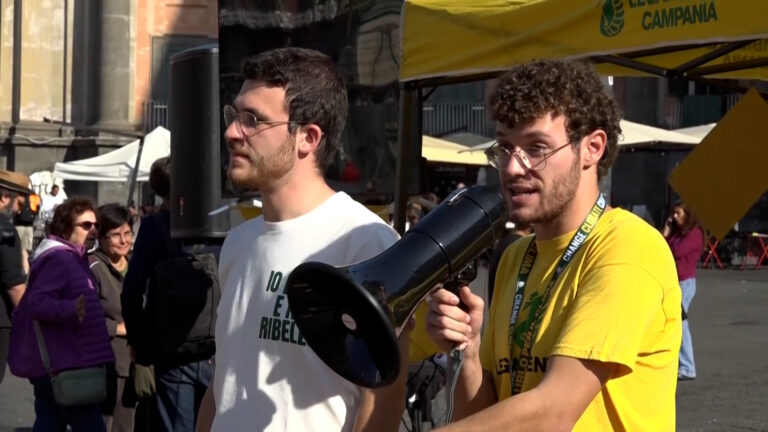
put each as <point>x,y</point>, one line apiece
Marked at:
<point>625,37</point>
<point>446,41</point>
<point>437,150</point>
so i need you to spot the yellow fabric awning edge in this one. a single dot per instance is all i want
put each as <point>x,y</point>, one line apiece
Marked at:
<point>466,48</point>
<point>438,150</point>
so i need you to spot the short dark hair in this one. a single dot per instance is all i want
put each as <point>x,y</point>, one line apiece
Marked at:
<point>314,92</point>
<point>54,186</point>
<point>573,89</point>
<point>111,216</point>
<point>63,222</point>
<point>160,177</point>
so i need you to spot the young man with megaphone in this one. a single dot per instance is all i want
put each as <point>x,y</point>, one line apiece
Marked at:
<point>282,131</point>
<point>584,325</point>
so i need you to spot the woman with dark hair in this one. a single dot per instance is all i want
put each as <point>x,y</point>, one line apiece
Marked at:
<point>109,263</point>
<point>62,299</point>
<point>686,240</point>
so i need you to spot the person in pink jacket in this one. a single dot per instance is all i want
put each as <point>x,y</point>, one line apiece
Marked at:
<point>61,296</point>
<point>686,240</point>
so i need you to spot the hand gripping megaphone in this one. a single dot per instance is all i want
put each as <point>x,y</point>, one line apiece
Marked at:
<point>352,316</point>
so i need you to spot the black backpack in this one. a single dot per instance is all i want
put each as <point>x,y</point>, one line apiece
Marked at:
<point>183,298</point>
<point>28,213</point>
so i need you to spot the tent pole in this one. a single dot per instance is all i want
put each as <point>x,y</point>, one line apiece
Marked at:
<point>728,67</point>
<point>708,57</point>
<point>409,127</point>
<point>135,172</point>
<point>631,64</point>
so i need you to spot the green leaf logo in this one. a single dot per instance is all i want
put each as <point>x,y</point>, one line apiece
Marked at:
<point>612,21</point>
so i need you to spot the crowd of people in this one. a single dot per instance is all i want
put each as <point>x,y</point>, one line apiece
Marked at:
<point>583,330</point>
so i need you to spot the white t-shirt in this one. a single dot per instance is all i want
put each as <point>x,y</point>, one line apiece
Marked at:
<point>50,202</point>
<point>266,377</point>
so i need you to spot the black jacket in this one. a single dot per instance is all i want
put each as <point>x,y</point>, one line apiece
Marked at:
<point>150,247</point>
<point>11,270</point>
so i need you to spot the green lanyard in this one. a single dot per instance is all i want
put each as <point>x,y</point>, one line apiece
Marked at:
<point>517,377</point>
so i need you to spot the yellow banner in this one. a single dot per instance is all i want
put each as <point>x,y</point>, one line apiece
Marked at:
<point>723,177</point>
<point>456,38</point>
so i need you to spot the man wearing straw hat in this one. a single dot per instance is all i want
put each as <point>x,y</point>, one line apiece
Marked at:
<point>12,276</point>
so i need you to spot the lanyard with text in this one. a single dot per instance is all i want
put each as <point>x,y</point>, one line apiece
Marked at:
<point>517,374</point>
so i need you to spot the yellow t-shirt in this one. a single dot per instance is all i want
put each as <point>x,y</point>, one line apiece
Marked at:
<point>617,301</point>
<point>421,345</point>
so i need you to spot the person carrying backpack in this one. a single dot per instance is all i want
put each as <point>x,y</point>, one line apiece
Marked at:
<point>171,334</point>
<point>24,220</point>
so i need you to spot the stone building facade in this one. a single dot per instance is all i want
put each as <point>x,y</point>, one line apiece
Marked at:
<point>95,66</point>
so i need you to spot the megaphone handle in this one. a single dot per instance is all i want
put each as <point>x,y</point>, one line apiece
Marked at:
<point>464,277</point>
<point>454,286</point>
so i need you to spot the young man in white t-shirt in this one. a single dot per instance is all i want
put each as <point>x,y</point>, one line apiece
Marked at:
<point>282,131</point>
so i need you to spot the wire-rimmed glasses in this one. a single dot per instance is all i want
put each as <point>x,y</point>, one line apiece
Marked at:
<point>247,122</point>
<point>534,158</point>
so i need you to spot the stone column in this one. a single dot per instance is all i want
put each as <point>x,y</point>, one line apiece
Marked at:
<point>116,50</point>
<point>101,63</point>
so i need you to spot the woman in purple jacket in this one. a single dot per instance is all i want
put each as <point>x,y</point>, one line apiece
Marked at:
<point>61,296</point>
<point>686,240</point>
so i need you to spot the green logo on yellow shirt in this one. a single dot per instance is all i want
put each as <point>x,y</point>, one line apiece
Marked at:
<point>534,300</point>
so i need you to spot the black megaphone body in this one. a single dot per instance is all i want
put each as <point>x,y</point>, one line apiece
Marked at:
<point>352,316</point>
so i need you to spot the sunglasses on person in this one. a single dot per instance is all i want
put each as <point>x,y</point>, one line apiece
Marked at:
<point>88,225</point>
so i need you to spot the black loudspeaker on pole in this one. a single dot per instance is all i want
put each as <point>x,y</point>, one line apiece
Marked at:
<point>196,145</point>
<point>352,316</point>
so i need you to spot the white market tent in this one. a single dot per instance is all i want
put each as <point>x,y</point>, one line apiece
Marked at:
<point>118,165</point>
<point>636,133</point>
<point>697,131</point>
<point>633,134</point>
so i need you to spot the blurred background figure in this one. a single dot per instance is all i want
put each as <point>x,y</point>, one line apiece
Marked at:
<point>109,263</point>
<point>169,380</point>
<point>413,215</point>
<point>148,209</point>
<point>686,240</point>
<point>13,274</point>
<point>62,298</point>
<point>132,210</point>
<point>27,208</point>
<point>52,200</point>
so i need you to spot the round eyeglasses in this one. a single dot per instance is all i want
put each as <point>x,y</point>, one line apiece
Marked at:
<point>247,122</point>
<point>534,159</point>
<point>116,237</point>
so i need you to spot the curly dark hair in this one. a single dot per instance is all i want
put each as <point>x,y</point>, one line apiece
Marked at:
<point>111,216</point>
<point>314,92</point>
<point>558,87</point>
<point>63,222</point>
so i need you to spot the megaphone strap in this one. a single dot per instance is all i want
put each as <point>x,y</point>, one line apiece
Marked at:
<point>455,360</point>
<point>517,374</point>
